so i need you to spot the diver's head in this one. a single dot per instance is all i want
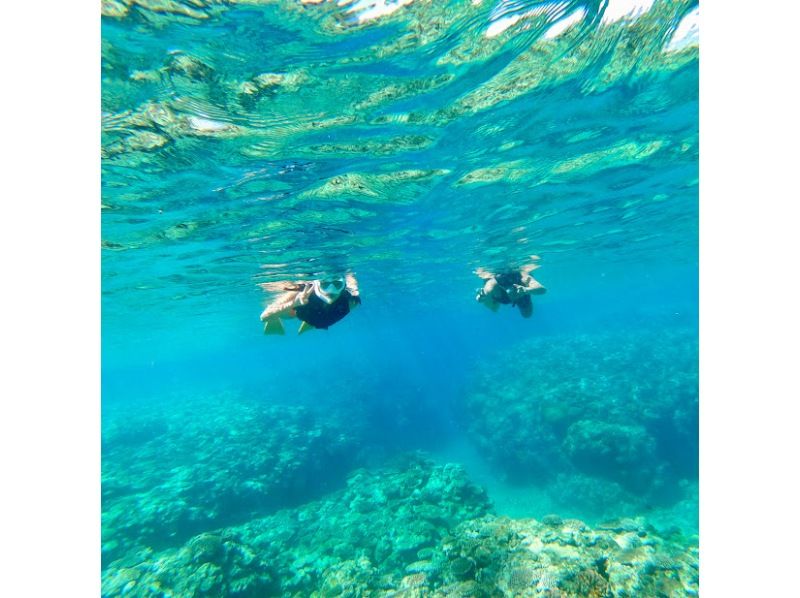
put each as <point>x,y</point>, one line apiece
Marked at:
<point>329,289</point>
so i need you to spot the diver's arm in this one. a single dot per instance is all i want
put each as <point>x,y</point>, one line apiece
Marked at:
<point>485,292</point>
<point>484,274</point>
<point>304,295</point>
<point>530,267</point>
<point>485,295</point>
<point>281,286</point>
<point>351,283</point>
<point>526,270</point>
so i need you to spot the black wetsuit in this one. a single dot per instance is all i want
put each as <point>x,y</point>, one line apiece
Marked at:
<point>505,282</point>
<point>319,314</point>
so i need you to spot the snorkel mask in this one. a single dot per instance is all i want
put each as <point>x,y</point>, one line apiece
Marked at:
<point>329,290</point>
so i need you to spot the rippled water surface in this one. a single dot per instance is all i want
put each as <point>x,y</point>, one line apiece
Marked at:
<point>254,141</point>
<point>410,142</point>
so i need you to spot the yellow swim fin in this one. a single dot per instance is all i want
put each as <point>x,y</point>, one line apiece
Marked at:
<point>273,326</point>
<point>304,327</point>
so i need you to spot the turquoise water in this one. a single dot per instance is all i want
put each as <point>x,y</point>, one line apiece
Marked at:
<point>409,143</point>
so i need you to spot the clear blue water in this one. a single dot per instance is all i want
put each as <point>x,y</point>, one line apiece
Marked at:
<point>255,142</point>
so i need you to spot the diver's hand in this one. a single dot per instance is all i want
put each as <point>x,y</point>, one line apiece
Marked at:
<point>351,283</point>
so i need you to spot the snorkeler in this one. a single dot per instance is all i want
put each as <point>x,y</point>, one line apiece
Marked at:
<point>512,287</point>
<point>317,304</point>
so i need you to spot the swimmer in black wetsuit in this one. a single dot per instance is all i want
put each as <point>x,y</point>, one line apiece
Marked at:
<point>329,302</point>
<point>317,304</point>
<point>513,287</point>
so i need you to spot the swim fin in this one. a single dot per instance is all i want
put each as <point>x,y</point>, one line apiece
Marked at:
<point>273,326</point>
<point>304,327</point>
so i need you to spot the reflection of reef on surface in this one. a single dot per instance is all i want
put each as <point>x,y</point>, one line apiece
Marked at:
<point>303,121</point>
<point>598,420</point>
<point>172,471</point>
<point>220,102</point>
<point>413,529</point>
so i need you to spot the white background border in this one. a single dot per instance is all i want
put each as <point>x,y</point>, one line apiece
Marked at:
<point>50,420</point>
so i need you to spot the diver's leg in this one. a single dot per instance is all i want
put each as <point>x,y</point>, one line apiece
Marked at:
<point>525,306</point>
<point>536,288</point>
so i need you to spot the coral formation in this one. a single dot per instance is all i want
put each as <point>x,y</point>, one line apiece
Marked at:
<point>379,531</point>
<point>413,529</point>
<point>193,489</point>
<point>169,473</point>
<point>620,452</point>
<point>599,419</point>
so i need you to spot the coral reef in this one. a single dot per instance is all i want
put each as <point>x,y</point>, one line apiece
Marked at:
<point>622,452</point>
<point>557,557</point>
<point>598,419</point>
<point>170,472</point>
<point>378,530</point>
<point>412,529</point>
